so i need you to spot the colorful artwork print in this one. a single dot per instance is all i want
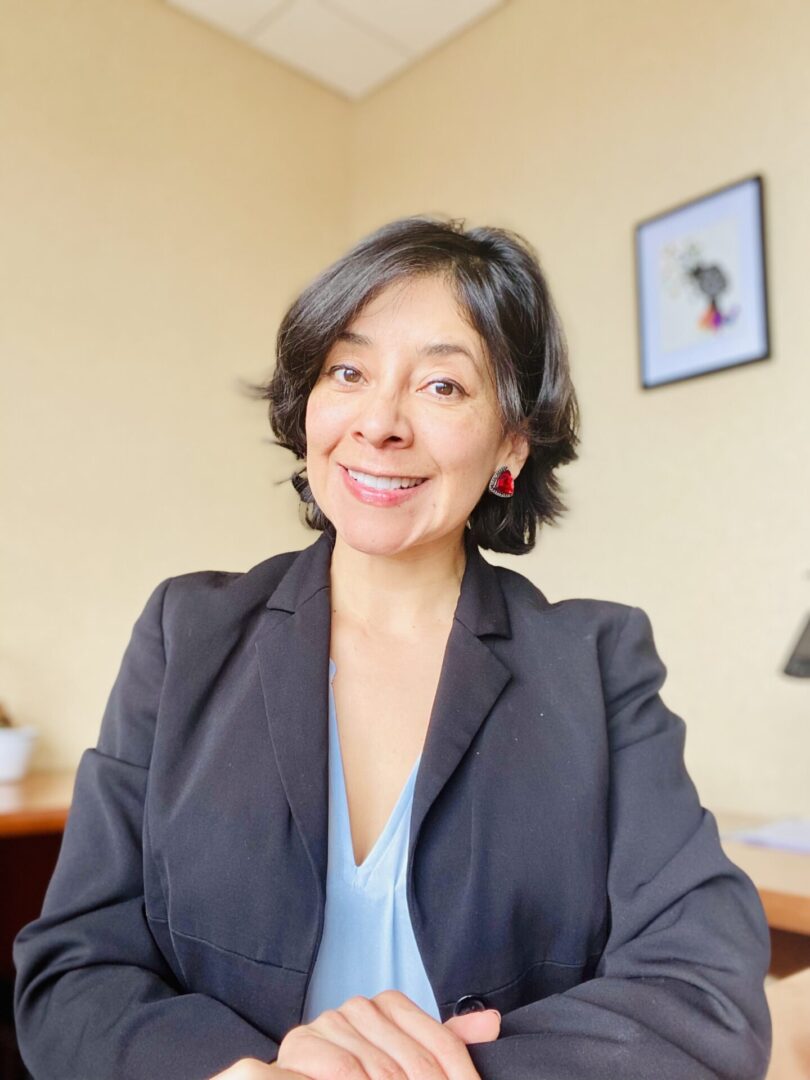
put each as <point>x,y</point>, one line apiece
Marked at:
<point>701,281</point>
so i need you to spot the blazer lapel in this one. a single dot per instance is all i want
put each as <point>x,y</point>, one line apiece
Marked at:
<point>294,666</point>
<point>471,681</point>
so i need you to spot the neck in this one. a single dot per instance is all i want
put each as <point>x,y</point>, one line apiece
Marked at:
<point>397,595</point>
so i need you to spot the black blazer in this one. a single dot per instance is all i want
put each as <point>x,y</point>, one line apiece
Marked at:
<point>560,866</point>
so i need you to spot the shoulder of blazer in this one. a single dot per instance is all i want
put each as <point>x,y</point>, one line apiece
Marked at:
<point>581,621</point>
<point>215,599</point>
<point>523,596</point>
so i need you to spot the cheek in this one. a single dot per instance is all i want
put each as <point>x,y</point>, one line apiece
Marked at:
<point>309,422</point>
<point>323,422</point>
<point>465,450</point>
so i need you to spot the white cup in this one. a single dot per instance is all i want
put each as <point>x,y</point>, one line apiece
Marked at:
<point>16,747</point>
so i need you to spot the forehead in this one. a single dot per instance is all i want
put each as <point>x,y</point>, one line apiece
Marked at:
<point>424,313</point>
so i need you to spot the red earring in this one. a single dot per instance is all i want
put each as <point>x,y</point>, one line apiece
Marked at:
<point>502,483</point>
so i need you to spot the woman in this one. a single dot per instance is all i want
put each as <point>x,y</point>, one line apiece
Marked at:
<point>378,808</point>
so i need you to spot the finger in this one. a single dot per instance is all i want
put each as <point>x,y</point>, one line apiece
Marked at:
<point>254,1069</point>
<point>326,1048</point>
<point>475,1027</point>
<point>277,1073</point>
<point>446,1045</point>
<point>410,1057</point>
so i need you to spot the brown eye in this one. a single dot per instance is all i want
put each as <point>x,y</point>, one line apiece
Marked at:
<point>353,376</point>
<point>446,389</point>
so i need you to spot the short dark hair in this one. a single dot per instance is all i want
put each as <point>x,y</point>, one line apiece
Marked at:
<point>496,277</point>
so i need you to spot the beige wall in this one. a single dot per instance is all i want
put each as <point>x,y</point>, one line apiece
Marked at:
<point>164,194</point>
<point>171,191</point>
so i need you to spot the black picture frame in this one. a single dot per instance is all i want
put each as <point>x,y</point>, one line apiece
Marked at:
<point>701,285</point>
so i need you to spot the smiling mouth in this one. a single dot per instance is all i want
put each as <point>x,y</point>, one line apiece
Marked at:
<point>385,483</point>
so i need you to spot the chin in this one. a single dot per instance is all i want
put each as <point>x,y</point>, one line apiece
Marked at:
<point>376,539</point>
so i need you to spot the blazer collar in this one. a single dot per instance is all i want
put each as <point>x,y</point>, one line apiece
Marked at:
<point>481,606</point>
<point>293,655</point>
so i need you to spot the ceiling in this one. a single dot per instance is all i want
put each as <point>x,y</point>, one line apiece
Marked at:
<point>350,46</point>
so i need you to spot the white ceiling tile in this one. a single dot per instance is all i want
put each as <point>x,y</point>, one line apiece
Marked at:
<point>234,16</point>
<point>319,42</point>
<point>351,46</point>
<point>418,25</point>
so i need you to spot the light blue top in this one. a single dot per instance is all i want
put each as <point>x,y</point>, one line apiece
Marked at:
<point>368,943</point>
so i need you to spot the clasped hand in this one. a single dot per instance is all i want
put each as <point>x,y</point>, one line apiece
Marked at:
<point>387,1037</point>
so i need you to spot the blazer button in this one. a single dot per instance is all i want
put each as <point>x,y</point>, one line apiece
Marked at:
<point>468,1003</point>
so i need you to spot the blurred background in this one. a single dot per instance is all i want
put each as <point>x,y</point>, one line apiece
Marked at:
<point>169,186</point>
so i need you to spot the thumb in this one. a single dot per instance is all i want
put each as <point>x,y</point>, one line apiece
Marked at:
<point>474,1027</point>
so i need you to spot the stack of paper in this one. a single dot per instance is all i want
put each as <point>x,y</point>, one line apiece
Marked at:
<point>790,834</point>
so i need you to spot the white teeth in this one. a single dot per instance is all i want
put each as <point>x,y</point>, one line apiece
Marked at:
<point>383,483</point>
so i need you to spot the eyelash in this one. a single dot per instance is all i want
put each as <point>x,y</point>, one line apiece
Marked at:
<point>440,382</point>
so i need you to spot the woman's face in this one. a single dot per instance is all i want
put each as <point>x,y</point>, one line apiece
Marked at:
<point>403,423</point>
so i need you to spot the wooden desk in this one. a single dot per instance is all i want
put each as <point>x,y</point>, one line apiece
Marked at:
<point>789,1002</point>
<point>33,812</point>
<point>782,877</point>
<point>37,804</point>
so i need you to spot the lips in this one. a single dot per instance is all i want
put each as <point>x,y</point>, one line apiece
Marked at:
<point>384,483</point>
<point>374,489</point>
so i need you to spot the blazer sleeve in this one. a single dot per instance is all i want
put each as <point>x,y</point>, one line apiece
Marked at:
<point>94,996</point>
<point>678,993</point>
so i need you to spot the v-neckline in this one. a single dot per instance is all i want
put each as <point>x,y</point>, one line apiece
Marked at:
<point>383,840</point>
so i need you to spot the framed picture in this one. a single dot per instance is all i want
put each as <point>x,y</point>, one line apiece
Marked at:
<point>700,275</point>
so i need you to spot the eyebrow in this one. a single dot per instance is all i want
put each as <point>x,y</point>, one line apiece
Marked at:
<point>433,348</point>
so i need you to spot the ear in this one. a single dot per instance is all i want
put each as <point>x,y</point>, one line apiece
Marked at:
<point>516,450</point>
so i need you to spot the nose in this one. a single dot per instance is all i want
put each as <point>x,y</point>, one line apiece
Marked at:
<point>382,419</point>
